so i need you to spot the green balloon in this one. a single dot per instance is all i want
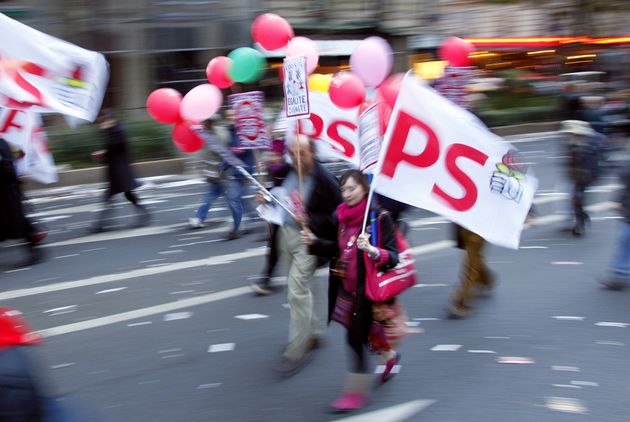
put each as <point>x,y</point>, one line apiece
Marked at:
<point>248,65</point>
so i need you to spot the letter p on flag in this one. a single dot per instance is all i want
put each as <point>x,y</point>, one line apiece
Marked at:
<point>440,157</point>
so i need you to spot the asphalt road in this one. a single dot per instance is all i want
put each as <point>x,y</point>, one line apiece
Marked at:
<point>158,324</point>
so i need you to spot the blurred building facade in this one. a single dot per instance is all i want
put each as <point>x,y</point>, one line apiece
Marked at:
<point>153,43</point>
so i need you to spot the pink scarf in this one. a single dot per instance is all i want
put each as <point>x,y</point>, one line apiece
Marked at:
<point>351,216</point>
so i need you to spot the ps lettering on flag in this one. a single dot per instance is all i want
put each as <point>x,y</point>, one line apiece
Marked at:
<point>439,157</point>
<point>296,87</point>
<point>334,130</point>
<point>45,74</point>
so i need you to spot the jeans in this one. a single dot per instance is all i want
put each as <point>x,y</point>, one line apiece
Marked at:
<point>214,191</point>
<point>234,194</point>
<point>620,267</point>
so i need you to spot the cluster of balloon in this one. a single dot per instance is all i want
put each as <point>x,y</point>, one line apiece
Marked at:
<point>456,51</point>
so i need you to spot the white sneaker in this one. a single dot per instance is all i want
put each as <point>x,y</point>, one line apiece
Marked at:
<point>195,223</point>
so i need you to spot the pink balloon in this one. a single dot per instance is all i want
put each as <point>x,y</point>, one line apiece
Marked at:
<point>346,90</point>
<point>186,138</point>
<point>201,102</point>
<point>217,72</point>
<point>456,51</point>
<point>372,60</point>
<point>271,31</point>
<point>163,105</point>
<point>389,89</point>
<point>302,46</point>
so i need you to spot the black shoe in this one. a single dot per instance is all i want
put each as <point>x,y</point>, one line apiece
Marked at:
<point>231,236</point>
<point>96,229</point>
<point>458,311</point>
<point>36,255</point>
<point>613,284</point>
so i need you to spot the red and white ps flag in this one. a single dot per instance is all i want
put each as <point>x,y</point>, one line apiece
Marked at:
<point>439,157</point>
<point>45,74</point>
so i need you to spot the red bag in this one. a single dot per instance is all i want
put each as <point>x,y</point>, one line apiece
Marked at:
<point>383,285</point>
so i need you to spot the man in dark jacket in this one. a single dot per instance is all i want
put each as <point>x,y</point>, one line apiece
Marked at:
<point>13,222</point>
<point>119,171</point>
<point>311,184</point>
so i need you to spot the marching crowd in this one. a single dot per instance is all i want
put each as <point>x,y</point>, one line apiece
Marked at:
<point>322,223</point>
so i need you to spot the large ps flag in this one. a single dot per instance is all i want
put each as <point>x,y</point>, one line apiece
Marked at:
<point>44,74</point>
<point>439,157</point>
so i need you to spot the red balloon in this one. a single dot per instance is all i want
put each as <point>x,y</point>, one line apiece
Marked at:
<point>384,114</point>
<point>456,51</point>
<point>281,73</point>
<point>186,138</point>
<point>390,88</point>
<point>163,105</point>
<point>346,90</point>
<point>217,72</point>
<point>271,31</point>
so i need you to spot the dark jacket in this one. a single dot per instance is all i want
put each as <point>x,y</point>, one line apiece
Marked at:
<point>119,171</point>
<point>362,315</point>
<point>13,223</point>
<point>19,391</point>
<point>245,155</point>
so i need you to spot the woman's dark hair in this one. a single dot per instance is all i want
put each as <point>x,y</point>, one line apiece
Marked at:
<point>356,175</point>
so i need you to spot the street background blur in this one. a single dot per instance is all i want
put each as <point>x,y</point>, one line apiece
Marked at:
<point>529,53</point>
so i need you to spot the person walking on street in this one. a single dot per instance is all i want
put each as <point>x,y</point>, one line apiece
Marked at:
<point>583,150</point>
<point>475,273</point>
<point>236,182</point>
<point>14,224</point>
<point>214,175</point>
<point>313,194</point>
<point>619,269</point>
<point>120,174</point>
<point>370,325</point>
<point>277,170</point>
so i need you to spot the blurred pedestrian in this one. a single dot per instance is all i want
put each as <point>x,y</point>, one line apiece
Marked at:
<point>619,269</point>
<point>277,170</point>
<point>370,325</point>
<point>584,147</point>
<point>313,194</point>
<point>214,174</point>
<point>475,277</point>
<point>120,174</point>
<point>236,182</point>
<point>14,224</point>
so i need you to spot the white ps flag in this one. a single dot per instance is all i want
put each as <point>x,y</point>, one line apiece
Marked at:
<point>440,157</point>
<point>24,130</point>
<point>45,74</point>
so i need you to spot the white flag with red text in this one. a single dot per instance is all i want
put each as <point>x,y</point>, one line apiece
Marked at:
<point>45,74</point>
<point>334,129</point>
<point>439,157</point>
<point>25,132</point>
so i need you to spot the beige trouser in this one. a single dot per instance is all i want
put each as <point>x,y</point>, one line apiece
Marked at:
<point>304,324</point>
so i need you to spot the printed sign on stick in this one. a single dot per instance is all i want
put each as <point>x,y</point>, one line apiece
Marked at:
<point>296,87</point>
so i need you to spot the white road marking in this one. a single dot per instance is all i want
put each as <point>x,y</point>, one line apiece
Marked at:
<point>482,351</point>
<point>171,252</point>
<point>427,319</point>
<point>213,385</point>
<point>431,285</point>
<point>17,270</point>
<point>67,256</point>
<point>116,289</point>
<point>178,355</point>
<point>152,260</point>
<point>251,316</point>
<point>446,348</point>
<point>567,263</point>
<point>562,368</point>
<point>169,351</point>
<point>585,383</point>
<point>93,249</point>
<point>222,347</point>
<point>610,343</point>
<point>566,386</point>
<point>397,413</point>
<point>61,309</point>
<point>137,324</point>
<point>534,247</point>
<point>568,318</point>
<point>412,323</point>
<point>62,365</point>
<point>381,368</point>
<point>497,337</point>
<point>515,360</point>
<point>177,316</point>
<point>567,405</point>
<point>612,324</point>
<point>181,292</point>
